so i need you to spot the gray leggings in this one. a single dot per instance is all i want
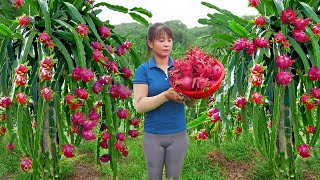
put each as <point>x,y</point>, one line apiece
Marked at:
<point>164,150</point>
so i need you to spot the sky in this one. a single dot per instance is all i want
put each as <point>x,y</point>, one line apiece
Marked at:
<point>188,11</point>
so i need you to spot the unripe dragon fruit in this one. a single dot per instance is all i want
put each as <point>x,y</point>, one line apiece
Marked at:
<point>304,150</point>
<point>240,44</point>
<point>259,21</point>
<point>24,20</point>
<point>21,97</point>
<point>300,36</point>
<point>301,24</point>
<point>284,62</point>
<point>279,37</point>
<point>104,31</point>
<point>283,78</point>
<point>288,16</point>
<point>257,98</point>
<point>240,102</point>
<point>26,164</point>
<point>68,150</point>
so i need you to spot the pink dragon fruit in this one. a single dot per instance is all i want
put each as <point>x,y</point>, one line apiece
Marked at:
<point>97,55</point>
<point>283,78</point>
<point>133,133</point>
<point>251,49</point>
<point>24,20</point>
<point>240,102</point>
<point>70,98</point>
<point>313,73</point>
<point>121,136</point>
<point>306,98</point>
<point>96,45</point>
<point>114,91</point>
<point>134,121</point>
<point>43,38</point>
<point>21,97</point>
<point>104,31</point>
<point>86,75</point>
<point>254,3</point>
<point>315,92</point>
<point>300,36</point>
<point>123,113</point>
<point>261,42</point>
<point>68,150</point>
<point>120,50</point>
<point>20,80</point>
<point>212,111</point>
<point>119,146</point>
<point>309,129</point>
<point>47,93</point>
<point>316,29</point>
<point>26,164</point>
<point>185,83</point>
<point>257,97</point>
<point>47,62</point>
<point>288,16</point>
<point>105,158</point>
<point>45,74</point>
<point>10,146</point>
<point>279,38</point>
<point>105,136</point>
<point>127,45</point>
<point>284,62</point>
<point>126,72</point>
<point>88,135</point>
<point>97,87</point>
<point>82,30</point>
<point>78,118</point>
<point>82,93</point>
<point>240,44</point>
<point>105,80</point>
<point>109,48</point>
<point>304,150</point>
<point>104,144</point>
<point>124,92</point>
<point>301,24</point>
<point>259,21</point>
<point>18,3</point>
<point>94,116</point>
<point>89,125</point>
<point>76,73</point>
<point>203,135</point>
<point>239,117</point>
<point>113,67</point>
<point>5,102</point>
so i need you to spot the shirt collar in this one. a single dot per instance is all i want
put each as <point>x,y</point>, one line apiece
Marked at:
<point>152,62</point>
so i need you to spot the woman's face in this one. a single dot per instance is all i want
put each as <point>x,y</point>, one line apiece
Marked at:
<point>161,46</point>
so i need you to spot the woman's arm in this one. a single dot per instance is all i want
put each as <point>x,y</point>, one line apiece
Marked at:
<point>143,103</point>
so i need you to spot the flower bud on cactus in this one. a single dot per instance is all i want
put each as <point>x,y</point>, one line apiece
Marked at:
<point>3,131</point>
<point>237,130</point>
<point>10,147</point>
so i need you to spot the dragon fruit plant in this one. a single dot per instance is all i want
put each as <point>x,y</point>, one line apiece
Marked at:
<point>62,83</point>
<point>272,80</point>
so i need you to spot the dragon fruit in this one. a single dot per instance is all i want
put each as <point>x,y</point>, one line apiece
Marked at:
<point>43,38</point>
<point>82,30</point>
<point>97,87</point>
<point>124,92</point>
<point>261,42</point>
<point>315,92</point>
<point>47,93</point>
<point>26,164</point>
<point>123,113</point>
<point>24,20</point>
<point>259,21</point>
<point>134,121</point>
<point>97,55</point>
<point>254,3</point>
<point>21,97</point>
<point>10,146</point>
<point>120,50</point>
<point>113,67</point>
<point>105,80</point>
<point>109,48</point>
<point>300,36</point>
<point>73,129</point>
<point>20,80</point>
<point>94,116</point>
<point>240,44</point>
<point>316,29</point>
<point>257,69</point>
<point>304,150</point>
<point>5,102</point>
<point>301,24</point>
<point>47,62</point>
<point>240,102</point>
<point>105,136</point>
<point>105,158</point>
<point>22,69</point>
<point>283,78</point>
<point>18,3</point>
<point>82,93</point>
<point>284,62</point>
<point>68,150</point>
<point>257,98</point>
<point>104,144</point>
<point>121,136</point>
<point>89,125</point>
<point>88,135</point>
<point>126,72</point>
<point>237,130</point>
<point>50,45</point>
<point>114,91</point>
<point>256,80</point>
<point>133,133</point>
<point>96,45</point>
<point>279,37</point>
<point>203,135</point>
<point>119,146</point>
<point>86,75</point>
<point>3,117</point>
<point>313,73</point>
<point>104,31</point>
<point>127,45</point>
<point>309,129</point>
<point>251,49</point>
<point>45,74</point>
<point>78,118</point>
<point>288,16</point>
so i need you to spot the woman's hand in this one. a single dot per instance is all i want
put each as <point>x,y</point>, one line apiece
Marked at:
<point>171,94</point>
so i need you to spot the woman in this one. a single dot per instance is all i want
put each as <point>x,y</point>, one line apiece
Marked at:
<point>165,137</point>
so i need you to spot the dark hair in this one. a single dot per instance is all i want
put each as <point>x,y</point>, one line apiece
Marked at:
<point>155,31</point>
